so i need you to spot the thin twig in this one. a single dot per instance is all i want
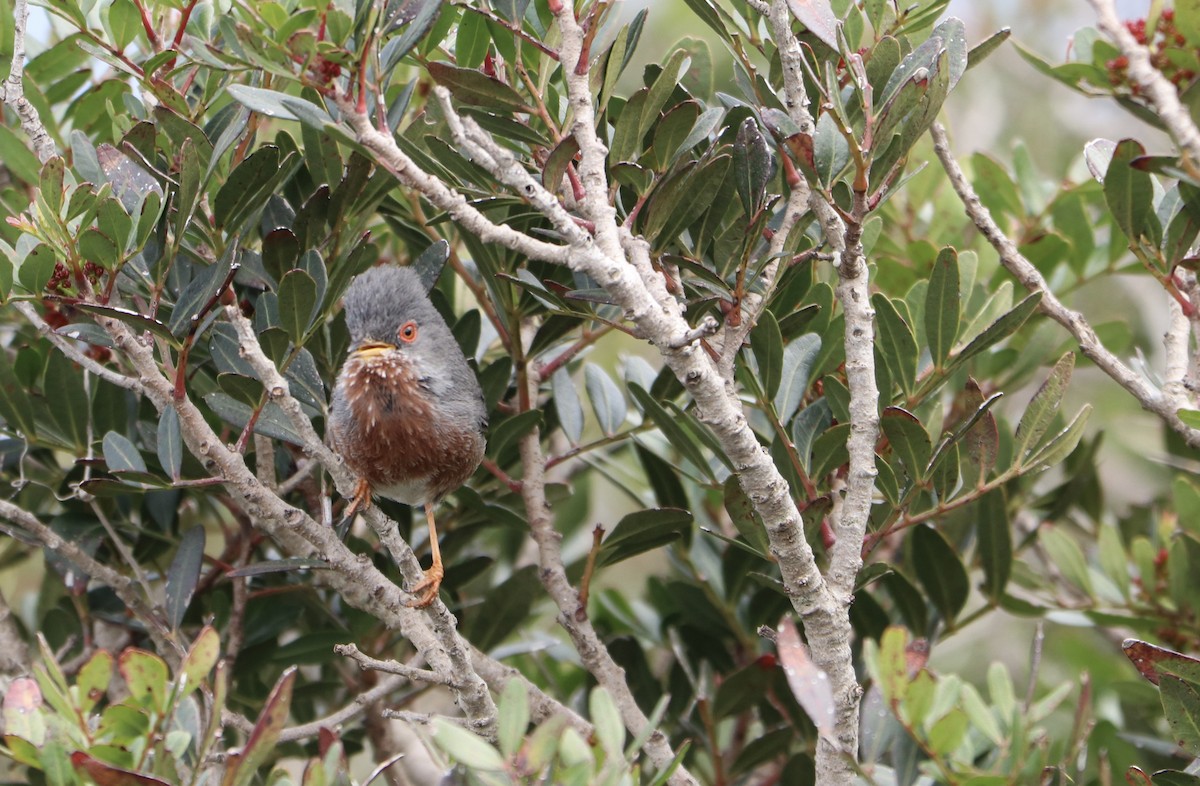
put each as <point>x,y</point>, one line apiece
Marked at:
<point>410,673</point>
<point>1090,345</point>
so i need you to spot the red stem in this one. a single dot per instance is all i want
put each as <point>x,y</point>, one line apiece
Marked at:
<point>147,25</point>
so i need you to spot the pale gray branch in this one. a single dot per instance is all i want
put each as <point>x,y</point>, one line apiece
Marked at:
<point>389,155</point>
<point>410,673</point>
<point>1156,87</point>
<point>1090,345</point>
<point>14,88</point>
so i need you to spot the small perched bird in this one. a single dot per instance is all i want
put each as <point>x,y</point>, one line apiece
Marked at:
<point>408,415</point>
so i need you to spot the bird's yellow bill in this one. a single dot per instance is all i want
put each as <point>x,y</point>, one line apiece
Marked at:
<point>372,349</point>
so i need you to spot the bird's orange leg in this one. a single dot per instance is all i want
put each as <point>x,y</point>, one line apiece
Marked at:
<point>361,499</point>
<point>427,591</point>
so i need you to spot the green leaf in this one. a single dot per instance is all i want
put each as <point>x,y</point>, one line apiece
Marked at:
<point>1062,444</point>
<point>71,404</point>
<point>472,41</point>
<point>831,152</point>
<point>674,127</point>
<point>1112,557</point>
<point>909,440</point>
<point>994,535</point>
<point>421,23</point>
<point>567,404</point>
<point>948,732</point>
<point>15,406</point>
<point>187,195</point>
<point>504,609</point>
<point>298,304</point>
<point>183,574</point>
<point>798,358</point>
<point>987,46</point>
<point>146,677</point>
<point>810,423</point>
<point>245,191</point>
<point>17,156</point>
<point>93,680</point>
<point>1066,555</point>
<point>272,422</point>
<point>199,295</point>
<point>767,344</point>
<point>170,443</point>
<point>643,531</point>
<point>753,166</point>
<point>940,572</point>
<point>607,400</point>
<point>1181,705</point>
<point>123,22</point>
<point>512,716</point>
<point>678,201</point>
<point>121,454</point>
<point>999,330</point>
<point>36,268</point>
<point>1043,407</point>
<point>896,342</point>
<point>555,168</point>
<point>200,659</point>
<point>661,90</point>
<point>466,747</point>
<point>95,246</point>
<point>512,428</point>
<point>942,306</point>
<point>1129,193</point>
<point>679,437</point>
<point>606,720</point>
<point>745,520</point>
<point>476,88</point>
<point>51,186</point>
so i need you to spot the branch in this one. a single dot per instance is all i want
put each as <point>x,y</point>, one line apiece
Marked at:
<point>14,88</point>
<point>1090,345</point>
<point>120,584</point>
<point>572,614</point>
<point>409,673</point>
<point>389,155</point>
<point>330,721</point>
<point>1160,92</point>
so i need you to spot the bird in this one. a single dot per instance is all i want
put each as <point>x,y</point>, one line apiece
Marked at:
<point>407,414</point>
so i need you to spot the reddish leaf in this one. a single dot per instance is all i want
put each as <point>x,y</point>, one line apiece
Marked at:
<point>108,775</point>
<point>242,766</point>
<point>818,17</point>
<point>1135,777</point>
<point>1146,658</point>
<point>809,684</point>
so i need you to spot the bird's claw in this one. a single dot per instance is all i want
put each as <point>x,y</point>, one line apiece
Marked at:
<point>427,591</point>
<point>361,499</point>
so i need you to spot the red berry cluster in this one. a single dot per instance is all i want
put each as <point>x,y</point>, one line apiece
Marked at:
<point>1169,50</point>
<point>61,278</point>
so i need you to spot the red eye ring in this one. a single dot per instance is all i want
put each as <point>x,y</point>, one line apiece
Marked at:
<point>408,332</point>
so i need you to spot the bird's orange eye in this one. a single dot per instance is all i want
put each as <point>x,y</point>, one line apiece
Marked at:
<point>408,332</point>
